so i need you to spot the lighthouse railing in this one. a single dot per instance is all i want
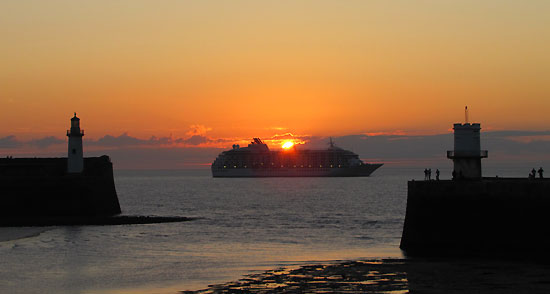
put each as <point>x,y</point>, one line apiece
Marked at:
<point>467,154</point>
<point>80,133</point>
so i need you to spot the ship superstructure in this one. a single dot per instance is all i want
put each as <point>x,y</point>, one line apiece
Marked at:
<point>257,160</point>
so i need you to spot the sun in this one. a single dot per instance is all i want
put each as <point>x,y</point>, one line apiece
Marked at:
<point>288,145</point>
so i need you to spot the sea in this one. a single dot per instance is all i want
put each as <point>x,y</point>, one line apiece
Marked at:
<point>240,226</point>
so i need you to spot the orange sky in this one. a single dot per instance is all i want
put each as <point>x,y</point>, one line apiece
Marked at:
<point>257,68</point>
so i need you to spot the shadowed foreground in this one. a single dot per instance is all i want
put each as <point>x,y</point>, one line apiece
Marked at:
<point>398,276</point>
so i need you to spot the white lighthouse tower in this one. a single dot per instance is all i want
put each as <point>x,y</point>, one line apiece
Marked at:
<point>467,153</point>
<point>75,158</point>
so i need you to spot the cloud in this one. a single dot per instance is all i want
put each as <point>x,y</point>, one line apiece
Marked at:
<point>529,139</point>
<point>506,148</point>
<point>159,158</point>
<point>505,151</point>
<point>46,142</point>
<point>278,139</point>
<point>514,133</point>
<point>10,142</point>
<point>390,148</point>
<point>154,140</point>
<point>125,140</point>
<point>284,136</point>
<point>111,141</point>
<point>278,128</point>
<point>199,130</point>
<point>195,140</point>
<point>391,133</point>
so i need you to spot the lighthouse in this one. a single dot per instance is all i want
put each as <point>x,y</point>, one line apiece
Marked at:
<point>75,158</point>
<point>467,153</point>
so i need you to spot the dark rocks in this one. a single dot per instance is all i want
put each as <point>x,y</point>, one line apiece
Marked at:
<point>348,277</point>
<point>398,276</point>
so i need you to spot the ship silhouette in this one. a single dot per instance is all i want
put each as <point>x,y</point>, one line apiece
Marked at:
<point>257,160</point>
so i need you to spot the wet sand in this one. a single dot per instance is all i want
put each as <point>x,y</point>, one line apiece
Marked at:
<point>398,276</point>
<point>89,221</point>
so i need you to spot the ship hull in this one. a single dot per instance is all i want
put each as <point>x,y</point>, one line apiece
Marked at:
<point>359,171</point>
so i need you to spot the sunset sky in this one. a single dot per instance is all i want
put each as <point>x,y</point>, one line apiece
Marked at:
<point>229,70</point>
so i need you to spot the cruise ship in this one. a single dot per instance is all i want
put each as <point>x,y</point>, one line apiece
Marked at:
<point>257,160</point>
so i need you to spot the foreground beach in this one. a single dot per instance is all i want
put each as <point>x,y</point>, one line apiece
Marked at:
<point>397,276</point>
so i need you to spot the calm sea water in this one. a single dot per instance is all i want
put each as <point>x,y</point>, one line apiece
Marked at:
<point>243,225</point>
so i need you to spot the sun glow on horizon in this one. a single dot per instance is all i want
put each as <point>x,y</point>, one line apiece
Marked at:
<point>288,144</point>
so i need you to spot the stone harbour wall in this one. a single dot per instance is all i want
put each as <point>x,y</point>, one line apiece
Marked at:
<point>41,187</point>
<point>478,217</point>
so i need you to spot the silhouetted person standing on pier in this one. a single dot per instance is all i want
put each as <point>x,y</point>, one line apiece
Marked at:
<point>437,174</point>
<point>533,174</point>
<point>540,172</point>
<point>425,174</point>
<point>429,174</point>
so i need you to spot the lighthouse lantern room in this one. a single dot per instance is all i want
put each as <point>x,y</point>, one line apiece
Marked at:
<point>75,158</point>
